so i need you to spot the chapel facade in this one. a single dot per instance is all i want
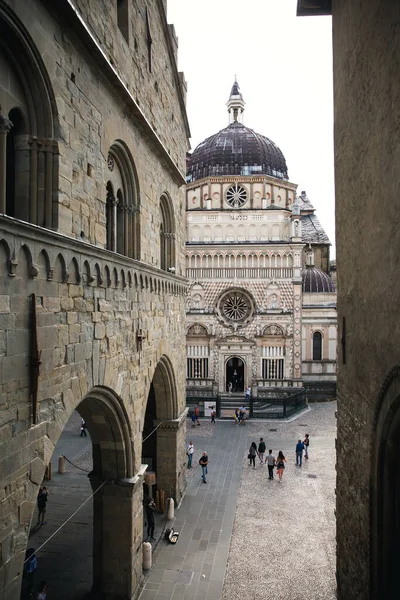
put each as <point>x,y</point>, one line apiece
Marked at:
<point>93,141</point>
<point>261,309</point>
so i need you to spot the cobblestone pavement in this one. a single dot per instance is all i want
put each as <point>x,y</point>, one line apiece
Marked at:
<point>243,536</point>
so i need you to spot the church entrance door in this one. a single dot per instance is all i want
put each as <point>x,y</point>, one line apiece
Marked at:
<point>235,374</point>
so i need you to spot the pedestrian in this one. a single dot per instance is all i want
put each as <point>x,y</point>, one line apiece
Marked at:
<point>261,451</point>
<point>42,498</point>
<point>193,417</point>
<point>280,464</point>
<point>213,414</point>
<point>196,414</point>
<point>270,460</point>
<point>230,386</point>
<point>242,415</point>
<point>248,394</point>
<point>299,453</point>
<point>204,463</point>
<point>252,454</point>
<point>306,443</point>
<point>42,591</point>
<point>83,428</point>
<point>150,508</point>
<point>189,452</point>
<point>237,416</point>
<point>28,573</point>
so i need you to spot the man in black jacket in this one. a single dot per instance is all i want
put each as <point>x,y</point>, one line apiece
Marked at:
<point>203,463</point>
<point>261,451</point>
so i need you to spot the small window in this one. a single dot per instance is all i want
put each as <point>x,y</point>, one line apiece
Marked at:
<point>123,18</point>
<point>317,346</point>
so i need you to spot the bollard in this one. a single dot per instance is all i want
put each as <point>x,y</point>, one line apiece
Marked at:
<point>147,556</point>
<point>171,509</point>
<point>61,464</point>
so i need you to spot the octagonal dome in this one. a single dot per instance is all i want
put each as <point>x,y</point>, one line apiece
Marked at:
<point>317,281</point>
<point>236,150</point>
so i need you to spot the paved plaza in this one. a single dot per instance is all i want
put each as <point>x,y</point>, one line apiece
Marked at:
<point>241,535</point>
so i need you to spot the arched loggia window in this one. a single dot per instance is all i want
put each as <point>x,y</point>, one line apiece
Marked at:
<point>28,121</point>
<point>122,205</point>
<point>317,345</point>
<point>167,234</point>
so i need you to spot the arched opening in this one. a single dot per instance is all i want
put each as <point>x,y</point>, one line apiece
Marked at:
<point>92,552</point>
<point>162,449</point>
<point>122,202</point>
<point>27,122</point>
<point>385,493</point>
<point>167,234</point>
<point>235,374</point>
<point>317,345</point>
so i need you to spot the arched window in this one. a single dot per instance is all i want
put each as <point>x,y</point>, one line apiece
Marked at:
<point>122,205</point>
<point>317,345</point>
<point>28,119</point>
<point>167,234</point>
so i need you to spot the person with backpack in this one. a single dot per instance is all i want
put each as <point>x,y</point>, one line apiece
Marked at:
<point>203,462</point>
<point>261,450</point>
<point>252,454</point>
<point>306,443</point>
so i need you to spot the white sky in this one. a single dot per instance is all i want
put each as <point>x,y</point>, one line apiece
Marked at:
<point>283,65</point>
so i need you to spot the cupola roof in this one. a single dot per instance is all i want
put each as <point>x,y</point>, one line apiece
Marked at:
<point>316,281</point>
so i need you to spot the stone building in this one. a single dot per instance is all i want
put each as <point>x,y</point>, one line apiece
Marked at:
<point>261,311</point>
<point>366,75</point>
<point>93,141</point>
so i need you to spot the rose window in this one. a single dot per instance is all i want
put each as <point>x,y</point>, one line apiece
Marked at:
<point>236,196</point>
<point>235,307</point>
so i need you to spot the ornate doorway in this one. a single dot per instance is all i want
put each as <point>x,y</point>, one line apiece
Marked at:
<point>235,374</point>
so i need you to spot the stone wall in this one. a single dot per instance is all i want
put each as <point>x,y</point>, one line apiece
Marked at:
<point>108,326</point>
<point>366,92</point>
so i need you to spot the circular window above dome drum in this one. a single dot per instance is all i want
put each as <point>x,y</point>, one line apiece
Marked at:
<point>236,196</point>
<point>235,307</point>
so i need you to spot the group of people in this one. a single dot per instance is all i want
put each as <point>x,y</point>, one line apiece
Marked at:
<point>240,416</point>
<point>203,461</point>
<point>277,462</point>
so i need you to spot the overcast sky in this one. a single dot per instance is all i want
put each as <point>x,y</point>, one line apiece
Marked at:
<point>283,65</point>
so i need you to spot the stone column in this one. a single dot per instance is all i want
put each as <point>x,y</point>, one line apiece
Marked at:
<point>297,305</point>
<point>171,457</point>
<point>117,537</point>
<point>5,126</point>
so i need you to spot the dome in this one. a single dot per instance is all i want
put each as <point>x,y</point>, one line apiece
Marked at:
<point>236,150</point>
<point>315,280</point>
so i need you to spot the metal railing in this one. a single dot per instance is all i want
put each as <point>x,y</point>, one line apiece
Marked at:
<point>239,273</point>
<point>278,405</point>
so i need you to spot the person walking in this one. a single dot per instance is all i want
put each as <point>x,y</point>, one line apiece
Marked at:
<point>83,428</point>
<point>196,414</point>
<point>261,451</point>
<point>248,394</point>
<point>189,452</point>
<point>280,464</point>
<point>299,453</point>
<point>213,414</point>
<point>203,462</point>
<point>252,454</point>
<point>41,504</point>
<point>270,460</point>
<point>306,443</point>
<point>193,418</point>
<point>237,415</point>
<point>150,508</point>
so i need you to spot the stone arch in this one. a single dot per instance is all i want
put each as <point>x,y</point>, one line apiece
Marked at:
<point>43,264</point>
<point>60,269</point>
<point>86,273</point>
<point>25,261</point>
<point>107,275</point>
<point>74,273</point>
<point>167,233</point>
<point>273,330</point>
<point>115,277</point>
<point>123,279</point>
<point>4,257</point>
<point>385,490</point>
<point>135,277</point>
<point>99,278</point>
<point>197,330</point>
<point>129,279</point>
<point>122,202</point>
<point>164,384</point>
<point>32,154</point>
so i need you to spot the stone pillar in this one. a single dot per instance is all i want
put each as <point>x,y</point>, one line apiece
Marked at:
<point>5,126</point>
<point>297,305</point>
<point>171,457</point>
<point>117,537</point>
